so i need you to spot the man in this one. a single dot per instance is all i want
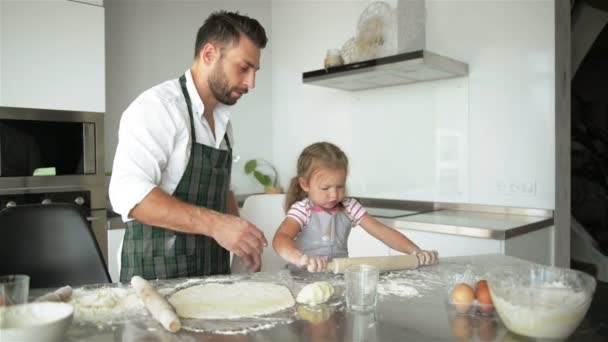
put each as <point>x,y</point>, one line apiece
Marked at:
<point>171,173</point>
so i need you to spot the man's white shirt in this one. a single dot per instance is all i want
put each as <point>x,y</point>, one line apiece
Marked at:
<point>154,142</point>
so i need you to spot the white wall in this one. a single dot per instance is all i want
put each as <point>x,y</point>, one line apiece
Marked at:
<point>150,42</point>
<point>497,124</point>
<point>511,51</point>
<point>53,55</point>
<point>486,138</point>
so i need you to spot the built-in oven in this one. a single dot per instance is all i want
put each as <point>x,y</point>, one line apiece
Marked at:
<point>54,156</point>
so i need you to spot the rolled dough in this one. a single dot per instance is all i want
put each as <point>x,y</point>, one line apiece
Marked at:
<point>234,300</point>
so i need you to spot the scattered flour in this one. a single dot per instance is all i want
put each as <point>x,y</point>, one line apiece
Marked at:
<point>226,327</point>
<point>106,305</point>
<point>396,289</point>
<point>248,330</point>
<point>408,283</point>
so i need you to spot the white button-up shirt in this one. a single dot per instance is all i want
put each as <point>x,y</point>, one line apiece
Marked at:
<point>154,142</point>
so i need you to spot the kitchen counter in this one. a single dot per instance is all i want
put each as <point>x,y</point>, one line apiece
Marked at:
<point>477,221</point>
<point>398,316</point>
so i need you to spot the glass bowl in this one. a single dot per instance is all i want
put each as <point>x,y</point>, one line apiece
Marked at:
<point>540,301</point>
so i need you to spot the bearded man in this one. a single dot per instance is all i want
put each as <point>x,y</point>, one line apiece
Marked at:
<point>171,173</point>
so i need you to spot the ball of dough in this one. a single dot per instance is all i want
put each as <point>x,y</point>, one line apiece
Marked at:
<point>315,314</point>
<point>315,293</point>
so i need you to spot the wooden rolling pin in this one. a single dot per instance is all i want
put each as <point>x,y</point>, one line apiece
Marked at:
<point>62,294</point>
<point>385,263</point>
<point>158,306</point>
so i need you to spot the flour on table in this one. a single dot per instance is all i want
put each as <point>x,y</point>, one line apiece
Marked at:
<point>396,289</point>
<point>247,330</point>
<point>105,305</point>
<point>409,283</point>
<point>233,300</point>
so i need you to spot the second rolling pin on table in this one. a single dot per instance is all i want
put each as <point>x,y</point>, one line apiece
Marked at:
<point>158,306</point>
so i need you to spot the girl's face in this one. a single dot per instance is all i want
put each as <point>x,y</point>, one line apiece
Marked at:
<point>325,187</point>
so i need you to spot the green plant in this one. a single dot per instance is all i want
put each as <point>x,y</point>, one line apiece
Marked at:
<point>254,167</point>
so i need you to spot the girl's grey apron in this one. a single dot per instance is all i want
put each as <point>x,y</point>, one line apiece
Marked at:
<point>325,235</point>
<point>159,253</point>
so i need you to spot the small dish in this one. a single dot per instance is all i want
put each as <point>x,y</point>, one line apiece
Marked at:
<point>47,321</point>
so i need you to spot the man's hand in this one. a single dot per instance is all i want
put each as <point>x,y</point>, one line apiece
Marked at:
<point>241,238</point>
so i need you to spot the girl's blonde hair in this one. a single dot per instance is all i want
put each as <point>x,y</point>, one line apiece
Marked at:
<point>320,155</point>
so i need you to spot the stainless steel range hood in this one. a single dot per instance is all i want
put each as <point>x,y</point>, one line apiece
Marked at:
<point>409,67</point>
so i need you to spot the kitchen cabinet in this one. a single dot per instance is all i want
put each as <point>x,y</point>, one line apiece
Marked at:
<point>92,2</point>
<point>52,55</point>
<point>460,230</point>
<point>526,246</point>
<point>404,68</point>
<point>362,244</point>
<point>529,246</point>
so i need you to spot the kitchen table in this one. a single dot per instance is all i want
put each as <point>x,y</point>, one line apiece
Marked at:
<point>411,307</point>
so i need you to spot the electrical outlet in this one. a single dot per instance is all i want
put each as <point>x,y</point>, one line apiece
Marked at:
<point>528,188</point>
<point>516,188</point>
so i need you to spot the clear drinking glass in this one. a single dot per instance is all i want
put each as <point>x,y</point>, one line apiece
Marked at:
<point>361,287</point>
<point>14,289</point>
<point>361,326</point>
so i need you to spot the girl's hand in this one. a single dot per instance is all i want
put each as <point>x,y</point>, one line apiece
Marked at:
<point>426,257</point>
<point>313,263</point>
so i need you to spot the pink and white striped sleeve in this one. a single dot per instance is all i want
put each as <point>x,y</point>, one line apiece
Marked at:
<point>299,212</point>
<point>354,210</point>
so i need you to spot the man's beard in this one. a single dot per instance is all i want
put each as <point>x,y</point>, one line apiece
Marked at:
<point>219,86</point>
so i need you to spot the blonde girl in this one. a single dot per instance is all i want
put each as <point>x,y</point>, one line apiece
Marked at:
<point>319,216</point>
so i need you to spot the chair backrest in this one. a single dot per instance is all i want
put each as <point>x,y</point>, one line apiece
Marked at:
<point>267,212</point>
<point>52,243</point>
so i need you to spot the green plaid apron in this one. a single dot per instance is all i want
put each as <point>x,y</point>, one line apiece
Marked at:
<point>159,253</point>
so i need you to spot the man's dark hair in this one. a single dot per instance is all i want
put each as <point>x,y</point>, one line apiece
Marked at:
<point>225,28</point>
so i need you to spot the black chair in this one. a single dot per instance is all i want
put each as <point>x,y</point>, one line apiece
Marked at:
<point>52,243</point>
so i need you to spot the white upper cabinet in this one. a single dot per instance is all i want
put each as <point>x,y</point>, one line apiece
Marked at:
<point>92,2</point>
<point>52,55</point>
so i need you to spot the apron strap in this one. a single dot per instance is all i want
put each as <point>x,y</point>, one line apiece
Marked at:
<point>182,82</point>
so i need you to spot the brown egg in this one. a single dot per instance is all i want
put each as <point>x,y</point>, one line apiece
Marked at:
<point>482,294</point>
<point>462,328</point>
<point>462,296</point>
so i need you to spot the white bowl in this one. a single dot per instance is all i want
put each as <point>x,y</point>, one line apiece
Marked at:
<point>35,321</point>
<point>541,301</point>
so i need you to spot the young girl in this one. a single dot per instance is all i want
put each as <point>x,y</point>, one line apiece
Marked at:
<point>319,216</point>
